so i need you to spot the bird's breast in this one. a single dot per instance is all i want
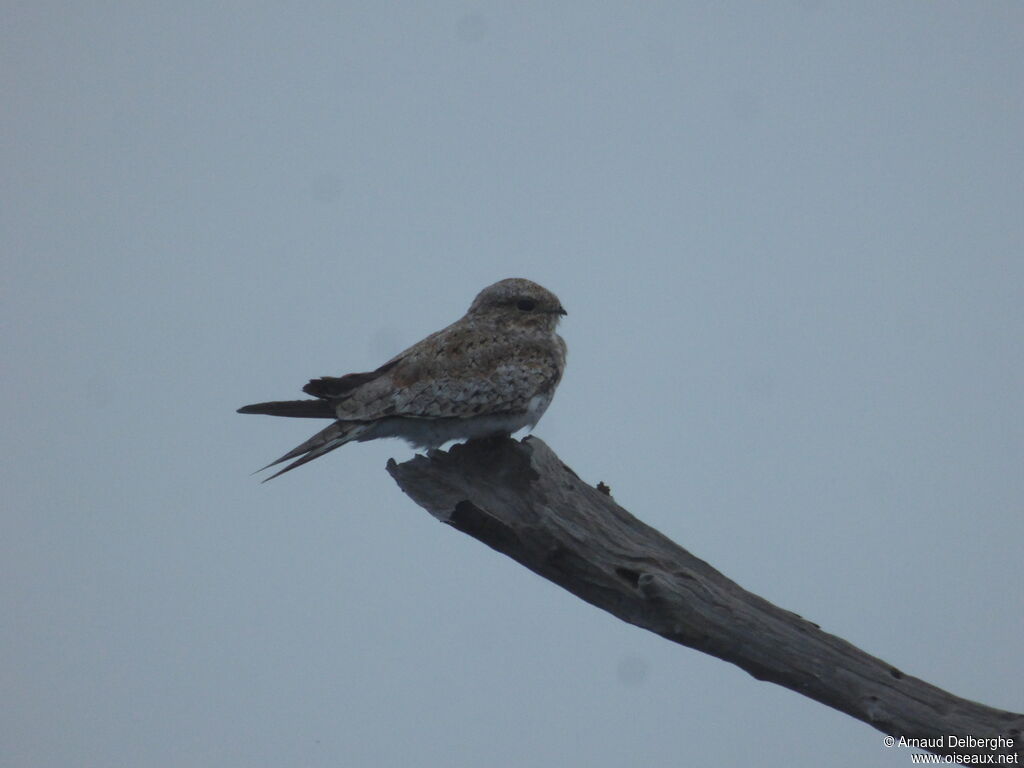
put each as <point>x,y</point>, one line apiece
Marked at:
<point>536,406</point>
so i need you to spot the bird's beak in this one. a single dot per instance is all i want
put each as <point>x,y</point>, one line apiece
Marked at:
<point>561,311</point>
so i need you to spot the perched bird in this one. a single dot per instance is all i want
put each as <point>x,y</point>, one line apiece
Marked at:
<point>491,372</point>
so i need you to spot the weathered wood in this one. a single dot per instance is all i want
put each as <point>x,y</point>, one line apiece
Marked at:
<point>520,499</point>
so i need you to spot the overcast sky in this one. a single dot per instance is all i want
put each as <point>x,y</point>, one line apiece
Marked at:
<point>790,239</point>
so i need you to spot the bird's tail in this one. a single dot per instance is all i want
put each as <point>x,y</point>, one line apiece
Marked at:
<point>304,409</point>
<point>324,441</point>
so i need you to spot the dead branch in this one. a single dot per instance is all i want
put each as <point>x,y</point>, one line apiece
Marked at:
<point>520,499</point>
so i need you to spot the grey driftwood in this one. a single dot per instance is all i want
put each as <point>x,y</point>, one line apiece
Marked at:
<point>520,499</point>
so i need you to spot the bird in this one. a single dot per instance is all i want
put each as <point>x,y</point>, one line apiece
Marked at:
<point>490,373</point>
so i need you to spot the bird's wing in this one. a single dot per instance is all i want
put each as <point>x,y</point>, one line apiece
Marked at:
<point>344,387</point>
<point>336,387</point>
<point>459,382</point>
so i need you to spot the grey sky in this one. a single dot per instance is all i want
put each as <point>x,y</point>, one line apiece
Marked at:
<point>790,240</point>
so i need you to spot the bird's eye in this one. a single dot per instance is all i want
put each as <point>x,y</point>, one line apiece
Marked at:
<point>526,305</point>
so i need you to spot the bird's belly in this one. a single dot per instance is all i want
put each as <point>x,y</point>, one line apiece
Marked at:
<point>431,433</point>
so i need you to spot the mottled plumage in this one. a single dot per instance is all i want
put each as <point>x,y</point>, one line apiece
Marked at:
<point>492,372</point>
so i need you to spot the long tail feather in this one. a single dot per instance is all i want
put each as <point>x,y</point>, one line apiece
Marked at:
<point>324,441</point>
<point>305,409</point>
<point>333,432</point>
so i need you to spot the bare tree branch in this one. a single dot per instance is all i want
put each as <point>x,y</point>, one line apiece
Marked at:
<point>520,499</point>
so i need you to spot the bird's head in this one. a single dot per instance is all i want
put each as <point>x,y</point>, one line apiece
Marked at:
<point>518,302</point>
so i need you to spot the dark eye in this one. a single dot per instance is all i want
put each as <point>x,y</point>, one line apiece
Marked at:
<point>526,304</point>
